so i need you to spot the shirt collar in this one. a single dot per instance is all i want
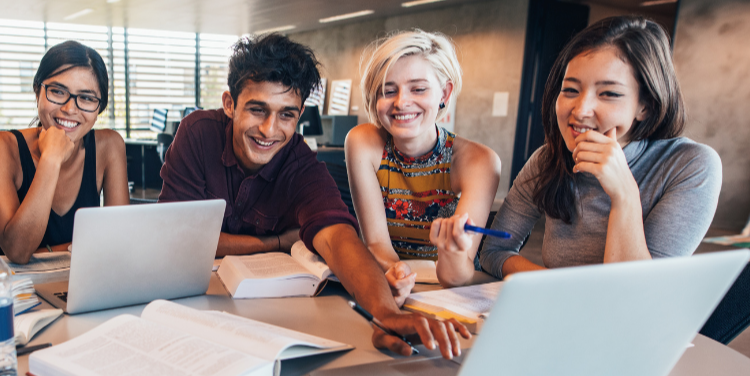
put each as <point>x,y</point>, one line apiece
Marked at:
<point>268,172</point>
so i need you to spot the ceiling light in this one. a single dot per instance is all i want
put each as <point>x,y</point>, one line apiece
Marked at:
<point>346,16</point>
<point>78,14</point>
<point>419,2</point>
<point>275,29</point>
<point>112,1</point>
<point>657,2</point>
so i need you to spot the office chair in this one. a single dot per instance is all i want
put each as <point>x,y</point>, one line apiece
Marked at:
<point>163,141</point>
<point>732,315</point>
<point>159,120</point>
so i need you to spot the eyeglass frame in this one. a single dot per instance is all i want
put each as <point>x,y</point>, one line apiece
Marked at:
<point>72,96</point>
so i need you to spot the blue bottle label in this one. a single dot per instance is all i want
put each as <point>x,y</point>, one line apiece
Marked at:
<point>6,322</point>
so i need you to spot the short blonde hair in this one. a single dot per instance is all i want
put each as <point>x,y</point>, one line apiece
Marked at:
<point>436,48</point>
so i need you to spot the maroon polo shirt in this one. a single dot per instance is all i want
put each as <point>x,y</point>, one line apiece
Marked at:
<point>293,190</point>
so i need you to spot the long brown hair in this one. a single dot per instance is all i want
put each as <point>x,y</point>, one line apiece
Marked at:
<point>644,45</point>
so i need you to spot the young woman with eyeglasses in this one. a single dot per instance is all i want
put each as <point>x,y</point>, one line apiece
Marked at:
<point>61,164</point>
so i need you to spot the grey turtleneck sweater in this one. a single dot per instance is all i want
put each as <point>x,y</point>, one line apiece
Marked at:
<point>679,182</point>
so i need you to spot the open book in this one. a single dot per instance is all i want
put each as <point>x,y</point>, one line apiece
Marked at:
<point>43,267</point>
<point>275,274</point>
<point>28,324</point>
<point>470,305</point>
<point>170,339</point>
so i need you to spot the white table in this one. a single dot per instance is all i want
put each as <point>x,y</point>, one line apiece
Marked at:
<point>329,316</point>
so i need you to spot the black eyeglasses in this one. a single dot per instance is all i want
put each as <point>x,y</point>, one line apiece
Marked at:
<point>58,95</point>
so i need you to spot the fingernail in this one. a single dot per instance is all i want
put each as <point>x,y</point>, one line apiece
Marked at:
<point>433,345</point>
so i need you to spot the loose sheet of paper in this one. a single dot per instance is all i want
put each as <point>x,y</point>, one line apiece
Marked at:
<point>470,301</point>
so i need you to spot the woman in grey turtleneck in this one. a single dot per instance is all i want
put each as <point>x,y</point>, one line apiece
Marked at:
<point>613,178</point>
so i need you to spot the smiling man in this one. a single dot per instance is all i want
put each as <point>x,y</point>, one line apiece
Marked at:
<point>249,154</point>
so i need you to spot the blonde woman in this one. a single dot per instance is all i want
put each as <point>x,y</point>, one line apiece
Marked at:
<point>404,170</point>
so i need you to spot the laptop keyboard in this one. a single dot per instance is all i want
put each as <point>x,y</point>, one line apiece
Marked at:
<point>62,295</point>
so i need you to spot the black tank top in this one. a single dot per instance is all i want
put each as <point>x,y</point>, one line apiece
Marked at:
<point>60,228</point>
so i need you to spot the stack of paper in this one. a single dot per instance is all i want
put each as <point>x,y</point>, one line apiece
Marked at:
<point>43,267</point>
<point>24,297</point>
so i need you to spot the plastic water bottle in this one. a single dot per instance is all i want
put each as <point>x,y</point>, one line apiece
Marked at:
<point>8,362</point>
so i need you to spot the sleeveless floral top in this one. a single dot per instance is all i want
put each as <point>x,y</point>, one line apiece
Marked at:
<point>415,192</point>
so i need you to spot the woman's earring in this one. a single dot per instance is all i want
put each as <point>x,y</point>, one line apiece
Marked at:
<point>442,105</point>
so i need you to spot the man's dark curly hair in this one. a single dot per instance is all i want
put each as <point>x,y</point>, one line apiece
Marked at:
<point>273,58</point>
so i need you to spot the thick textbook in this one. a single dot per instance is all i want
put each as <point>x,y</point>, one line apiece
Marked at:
<point>470,305</point>
<point>275,274</point>
<point>171,339</point>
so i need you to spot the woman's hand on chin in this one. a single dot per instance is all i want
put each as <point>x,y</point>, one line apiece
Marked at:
<point>602,156</point>
<point>55,145</point>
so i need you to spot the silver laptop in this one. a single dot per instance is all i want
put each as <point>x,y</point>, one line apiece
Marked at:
<point>633,318</point>
<point>125,255</point>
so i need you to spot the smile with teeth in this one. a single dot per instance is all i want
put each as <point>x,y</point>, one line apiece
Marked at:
<point>581,130</point>
<point>66,123</point>
<point>405,116</point>
<point>263,143</point>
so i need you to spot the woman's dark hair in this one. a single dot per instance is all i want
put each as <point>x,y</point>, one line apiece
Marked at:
<point>273,58</point>
<point>73,54</point>
<point>645,46</point>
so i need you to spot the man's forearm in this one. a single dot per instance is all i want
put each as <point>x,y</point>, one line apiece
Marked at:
<point>230,244</point>
<point>357,269</point>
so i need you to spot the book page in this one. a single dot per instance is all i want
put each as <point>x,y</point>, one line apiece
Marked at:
<point>267,266</point>
<point>425,269</point>
<point>314,263</point>
<point>242,334</point>
<point>470,301</point>
<point>128,345</point>
<point>42,262</point>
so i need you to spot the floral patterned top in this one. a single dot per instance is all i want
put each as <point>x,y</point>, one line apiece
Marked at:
<point>415,192</point>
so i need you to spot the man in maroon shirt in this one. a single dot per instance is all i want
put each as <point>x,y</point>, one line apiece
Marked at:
<point>276,191</point>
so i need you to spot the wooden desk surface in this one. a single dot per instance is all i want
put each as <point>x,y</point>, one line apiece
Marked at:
<point>329,316</point>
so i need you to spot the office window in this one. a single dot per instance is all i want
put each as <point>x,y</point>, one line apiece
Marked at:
<point>161,70</point>
<point>22,46</point>
<point>164,69</point>
<point>214,67</point>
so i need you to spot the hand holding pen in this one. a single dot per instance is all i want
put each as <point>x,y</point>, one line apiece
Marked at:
<point>433,333</point>
<point>455,234</point>
<point>374,321</point>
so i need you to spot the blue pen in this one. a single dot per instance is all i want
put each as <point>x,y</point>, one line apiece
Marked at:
<point>479,230</point>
